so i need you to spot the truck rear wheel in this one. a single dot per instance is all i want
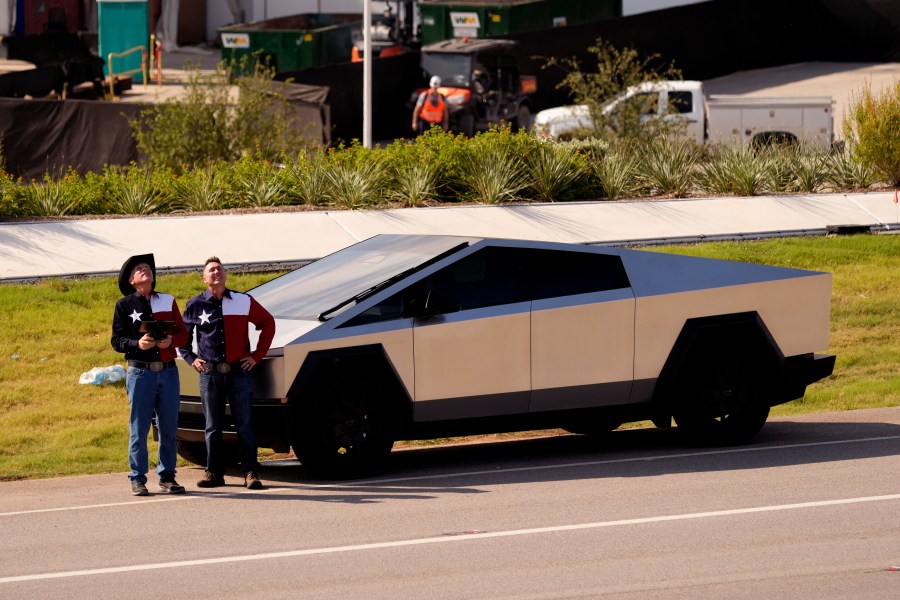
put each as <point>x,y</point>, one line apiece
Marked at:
<point>722,401</point>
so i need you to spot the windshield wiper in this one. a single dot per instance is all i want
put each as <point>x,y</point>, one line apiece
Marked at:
<point>323,316</point>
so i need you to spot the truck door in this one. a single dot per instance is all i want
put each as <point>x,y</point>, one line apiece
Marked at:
<point>473,351</point>
<point>682,106</point>
<point>582,330</point>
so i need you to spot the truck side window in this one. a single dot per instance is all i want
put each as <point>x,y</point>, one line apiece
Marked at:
<point>646,102</point>
<point>681,102</point>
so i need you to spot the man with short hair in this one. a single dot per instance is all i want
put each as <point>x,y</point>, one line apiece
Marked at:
<point>431,107</point>
<point>224,360</point>
<point>147,328</point>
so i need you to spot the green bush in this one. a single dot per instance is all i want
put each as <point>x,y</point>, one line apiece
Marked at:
<point>211,123</point>
<point>667,166</point>
<point>491,167</point>
<point>872,130</point>
<point>735,170</point>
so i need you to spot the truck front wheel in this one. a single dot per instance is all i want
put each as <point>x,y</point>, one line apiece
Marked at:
<point>523,119</point>
<point>195,452</point>
<point>466,124</point>
<point>344,433</point>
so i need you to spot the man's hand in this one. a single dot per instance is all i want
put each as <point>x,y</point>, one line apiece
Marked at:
<point>164,343</point>
<point>199,364</point>
<point>147,342</point>
<point>248,362</point>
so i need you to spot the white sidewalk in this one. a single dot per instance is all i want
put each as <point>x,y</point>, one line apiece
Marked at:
<point>96,246</point>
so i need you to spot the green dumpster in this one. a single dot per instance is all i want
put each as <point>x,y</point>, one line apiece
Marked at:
<point>445,19</point>
<point>123,28</point>
<point>293,42</point>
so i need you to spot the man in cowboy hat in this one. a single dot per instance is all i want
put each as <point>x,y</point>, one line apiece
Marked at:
<point>147,327</point>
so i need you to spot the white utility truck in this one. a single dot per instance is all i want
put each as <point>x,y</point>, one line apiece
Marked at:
<point>714,119</point>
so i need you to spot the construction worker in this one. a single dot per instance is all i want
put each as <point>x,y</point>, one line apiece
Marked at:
<point>431,107</point>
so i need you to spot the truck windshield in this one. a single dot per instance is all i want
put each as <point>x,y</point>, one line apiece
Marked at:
<point>453,69</point>
<point>325,283</point>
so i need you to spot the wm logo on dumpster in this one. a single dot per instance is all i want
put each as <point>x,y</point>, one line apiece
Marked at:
<point>235,40</point>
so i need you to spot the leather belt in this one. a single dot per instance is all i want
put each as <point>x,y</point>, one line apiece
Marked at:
<point>156,366</point>
<point>222,367</point>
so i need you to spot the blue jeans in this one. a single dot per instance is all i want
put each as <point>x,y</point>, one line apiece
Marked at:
<point>235,388</point>
<point>150,392</point>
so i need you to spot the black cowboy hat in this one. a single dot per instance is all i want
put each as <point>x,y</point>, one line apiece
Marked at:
<point>125,273</point>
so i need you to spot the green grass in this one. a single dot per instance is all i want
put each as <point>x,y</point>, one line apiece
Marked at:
<point>58,328</point>
<point>50,425</point>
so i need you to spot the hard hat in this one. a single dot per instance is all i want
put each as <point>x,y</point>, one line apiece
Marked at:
<point>435,81</point>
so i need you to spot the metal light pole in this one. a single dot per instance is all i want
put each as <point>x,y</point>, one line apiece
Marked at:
<point>367,73</point>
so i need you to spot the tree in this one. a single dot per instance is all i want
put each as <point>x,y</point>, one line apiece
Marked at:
<point>220,118</point>
<point>872,130</point>
<point>617,71</point>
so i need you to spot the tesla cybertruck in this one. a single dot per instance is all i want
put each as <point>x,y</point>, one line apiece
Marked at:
<point>417,336</point>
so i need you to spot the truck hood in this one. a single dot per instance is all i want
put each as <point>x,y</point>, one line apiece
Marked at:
<point>563,119</point>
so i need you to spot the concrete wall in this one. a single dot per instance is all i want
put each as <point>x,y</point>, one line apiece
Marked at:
<point>633,7</point>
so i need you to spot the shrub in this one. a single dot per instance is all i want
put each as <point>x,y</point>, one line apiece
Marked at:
<point>200,190</point>
<point>617,173</point>
<point>810,170</point>
<point>47,199</point>
<point>491,174</point>
<point>258,183</point>
<point>871,130</point>
<point>845,172</point>
<point>356,179</point>
<point>307,178</point>
<point>553,170</point>
<point>414,184</point>
<point>667,166</point>
<point>135,192</point>
<point>215,121</point>
<point>735,170</point>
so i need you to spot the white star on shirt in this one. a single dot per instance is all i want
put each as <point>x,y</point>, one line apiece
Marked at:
<point>135,316</point>
<point>204,316</point>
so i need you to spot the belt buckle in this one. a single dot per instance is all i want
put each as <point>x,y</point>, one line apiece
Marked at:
<point>223,367</point>
<point>157,366</point>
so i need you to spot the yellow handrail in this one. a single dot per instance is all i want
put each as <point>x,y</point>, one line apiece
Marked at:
<point>142,70</point>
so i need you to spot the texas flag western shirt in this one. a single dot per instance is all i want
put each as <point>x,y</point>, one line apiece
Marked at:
<point>222,327</point>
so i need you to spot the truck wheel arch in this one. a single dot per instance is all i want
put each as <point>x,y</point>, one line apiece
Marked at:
<point>770,139</point>
<point>717,381</point>
<point>350,406</point>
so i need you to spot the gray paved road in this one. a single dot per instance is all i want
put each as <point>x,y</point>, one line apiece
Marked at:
<point>808,511</point>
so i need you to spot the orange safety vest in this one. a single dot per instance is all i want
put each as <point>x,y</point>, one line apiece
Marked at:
<point>432,111</point>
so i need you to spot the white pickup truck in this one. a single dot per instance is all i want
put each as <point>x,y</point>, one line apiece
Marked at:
<point>714,119</point>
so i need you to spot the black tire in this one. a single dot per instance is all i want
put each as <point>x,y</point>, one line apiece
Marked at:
<point>722,400</point>
<point>466,124</point>
<point>523,119</point>
<point>345,431</point>
<point>195,452</point>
